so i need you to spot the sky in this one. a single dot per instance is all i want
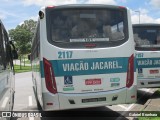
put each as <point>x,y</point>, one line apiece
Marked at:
<point>14,12</point>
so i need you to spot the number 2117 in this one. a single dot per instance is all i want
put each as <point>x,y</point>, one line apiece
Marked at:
<point>65,54</point>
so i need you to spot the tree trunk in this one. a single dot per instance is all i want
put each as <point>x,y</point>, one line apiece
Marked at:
<point>20,64</point>
<point>24,61</point>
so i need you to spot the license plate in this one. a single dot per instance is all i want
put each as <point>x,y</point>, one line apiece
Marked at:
<point>94,100</point>
<point>93,81</point>
<point>154,71</point>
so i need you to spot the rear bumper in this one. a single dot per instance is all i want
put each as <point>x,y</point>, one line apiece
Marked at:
<point>112,97</point>
<point>73,101</point>
<point>148,82</point>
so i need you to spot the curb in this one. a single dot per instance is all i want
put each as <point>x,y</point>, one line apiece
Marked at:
<point>148,101</point>
<point>146,104</point>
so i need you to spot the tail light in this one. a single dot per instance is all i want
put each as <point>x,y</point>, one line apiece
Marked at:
<point>122,7</point>
<point>130,72</point>
<point>90,45</point>
<point>153,49</point>
<point>49,77</point>
<point>50,6</point>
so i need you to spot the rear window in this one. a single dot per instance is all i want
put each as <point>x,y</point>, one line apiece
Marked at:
<point>102,26</point>
<point>147,37</point>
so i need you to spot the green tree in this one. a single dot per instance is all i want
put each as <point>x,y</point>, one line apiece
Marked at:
<point>22,36</point>
<point>30,25</point>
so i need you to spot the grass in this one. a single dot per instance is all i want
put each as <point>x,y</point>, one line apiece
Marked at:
<point>157,92</point>
<point>149,118</point>
<point>24,69</point>
<point>155,116</point>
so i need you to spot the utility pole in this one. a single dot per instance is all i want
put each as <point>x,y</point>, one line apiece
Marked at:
<point>139,15</point>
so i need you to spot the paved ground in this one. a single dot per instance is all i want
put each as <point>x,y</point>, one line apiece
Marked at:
<point>25,99</point>
<point>24,95</point>
<point>153,104</point>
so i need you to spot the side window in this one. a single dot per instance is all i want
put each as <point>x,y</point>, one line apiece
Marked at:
<point>36,44</point>
<point>2,51</point>
<point>158,38</point>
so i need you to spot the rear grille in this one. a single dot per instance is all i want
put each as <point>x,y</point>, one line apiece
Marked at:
<point>158,82</point>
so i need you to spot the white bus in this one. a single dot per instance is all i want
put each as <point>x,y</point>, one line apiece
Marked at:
<point>7,87</point>
<point>147,39</point>
<point>83,56</point>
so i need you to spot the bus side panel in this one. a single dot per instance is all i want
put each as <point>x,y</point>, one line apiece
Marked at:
<point>131,94</point>
<point>148,69</point>
<point>7,87</point>
<point>37,82</point>
<point>5,91</point>
<point>35,61</point>
<point>50,101</point>
<point>12,81</point>
<point>132,91</point>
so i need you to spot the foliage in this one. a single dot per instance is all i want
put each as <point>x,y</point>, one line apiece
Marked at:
<point>30,25</point>
<point>157,92</point>
<point>22,36</point>
<point>149,118</point>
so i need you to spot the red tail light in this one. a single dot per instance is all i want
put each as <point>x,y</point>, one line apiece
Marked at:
<point>49,77</point>
<point>90,45</point>
<point>153,49</point>
<point>50,6</point>
<point>122,7</point>
<point>130,72</point>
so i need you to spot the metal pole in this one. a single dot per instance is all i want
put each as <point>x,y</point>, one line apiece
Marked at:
<point>139,15</point>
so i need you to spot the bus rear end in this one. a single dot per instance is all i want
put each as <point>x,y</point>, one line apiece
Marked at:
<point>147,39</point>
<point>87,56</point>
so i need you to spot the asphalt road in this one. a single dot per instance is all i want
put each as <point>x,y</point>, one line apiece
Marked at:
<point>24,95</point>
<point>25,101</point>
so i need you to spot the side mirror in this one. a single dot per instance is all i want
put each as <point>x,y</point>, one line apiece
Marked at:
<point>13,50</point>
<point>29,57</point>
<point>14,54</point>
